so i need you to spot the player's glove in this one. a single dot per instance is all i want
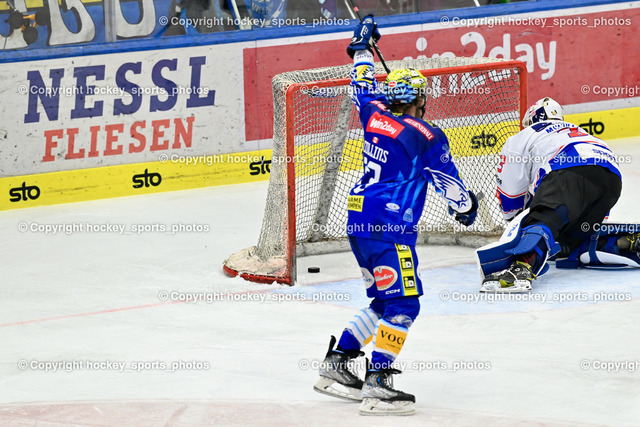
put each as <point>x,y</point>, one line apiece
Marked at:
<point>365,34</point>
<point>467,218</point>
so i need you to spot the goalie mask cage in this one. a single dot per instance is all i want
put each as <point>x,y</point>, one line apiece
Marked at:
<point>317,157</point>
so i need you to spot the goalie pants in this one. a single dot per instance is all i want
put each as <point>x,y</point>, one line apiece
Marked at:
<point>570,201</point>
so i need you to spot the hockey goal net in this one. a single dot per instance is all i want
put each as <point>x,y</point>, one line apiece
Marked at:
<point>317,157</point>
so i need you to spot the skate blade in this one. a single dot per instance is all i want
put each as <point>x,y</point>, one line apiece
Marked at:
<point>495,286</point>
<point>334,389</point>
<point>371,406</point>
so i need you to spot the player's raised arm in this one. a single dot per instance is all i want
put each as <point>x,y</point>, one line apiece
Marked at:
<point>363,84</point>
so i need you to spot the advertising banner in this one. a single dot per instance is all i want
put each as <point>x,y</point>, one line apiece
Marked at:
<point>84,124</point>
<point>576,56</point>
<point>101,110</point>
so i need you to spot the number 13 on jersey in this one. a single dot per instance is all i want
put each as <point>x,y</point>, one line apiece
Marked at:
<point>372,171</point>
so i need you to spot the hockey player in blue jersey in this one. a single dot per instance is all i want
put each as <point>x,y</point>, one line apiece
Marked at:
<point>402,154</point>
<point>568,180</point>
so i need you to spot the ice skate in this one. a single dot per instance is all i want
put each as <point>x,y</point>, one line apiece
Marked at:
<point>517,278</point>
<point>336,379</point>
<point>634,242</point>
<point>379,397</point>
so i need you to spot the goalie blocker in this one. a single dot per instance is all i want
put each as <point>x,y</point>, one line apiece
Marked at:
<point>600,250</point>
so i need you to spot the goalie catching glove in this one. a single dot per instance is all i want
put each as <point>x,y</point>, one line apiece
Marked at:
<point>466,218</point>
<point>365,34</point>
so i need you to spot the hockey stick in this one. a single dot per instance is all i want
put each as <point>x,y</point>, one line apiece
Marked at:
<point>239,19</point>
<point>375,46</point>
<point>484,213</point>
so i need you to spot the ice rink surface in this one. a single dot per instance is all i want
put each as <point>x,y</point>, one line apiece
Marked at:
<point>93,331</point>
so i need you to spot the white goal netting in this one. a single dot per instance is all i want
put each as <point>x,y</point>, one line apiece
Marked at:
<point>317,157</point>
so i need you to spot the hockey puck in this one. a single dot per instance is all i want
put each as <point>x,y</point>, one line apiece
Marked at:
<point>313,269</point>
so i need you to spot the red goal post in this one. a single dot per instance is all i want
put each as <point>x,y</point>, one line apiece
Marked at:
<point>317,157</point>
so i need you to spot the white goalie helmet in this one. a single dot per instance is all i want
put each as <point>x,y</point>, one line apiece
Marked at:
<point>544,109</point>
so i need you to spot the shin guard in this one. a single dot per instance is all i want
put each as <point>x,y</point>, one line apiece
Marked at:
<point>360,329</point>
<point>387,343</point>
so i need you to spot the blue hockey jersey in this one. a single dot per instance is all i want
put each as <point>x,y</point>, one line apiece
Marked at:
<point>401,156</point>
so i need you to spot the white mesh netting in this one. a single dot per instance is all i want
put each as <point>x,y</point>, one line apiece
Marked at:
<point>477,110</point>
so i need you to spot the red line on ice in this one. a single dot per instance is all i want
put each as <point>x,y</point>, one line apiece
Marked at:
<point>113,310</point>
<point>68,316</point>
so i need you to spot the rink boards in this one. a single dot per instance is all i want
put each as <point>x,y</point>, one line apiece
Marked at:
<point>180,172</point>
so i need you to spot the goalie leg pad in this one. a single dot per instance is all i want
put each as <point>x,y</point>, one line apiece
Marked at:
<point>610,245</point>
<point>607,255</point>
<point>601,250</point>
<point>499,256</point>
<point>609,260</point>
<point>538,239</point>
<point>492,258</point>
<point>530,239</point>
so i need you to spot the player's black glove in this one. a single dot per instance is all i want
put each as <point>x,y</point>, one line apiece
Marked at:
<point>365,32</point>
<point>467,218</point>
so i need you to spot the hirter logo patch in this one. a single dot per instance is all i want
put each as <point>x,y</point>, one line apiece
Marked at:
<point>385,277</point>
<point>384,126</point>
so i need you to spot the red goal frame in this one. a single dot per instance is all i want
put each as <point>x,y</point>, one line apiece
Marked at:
<point>290,256</point>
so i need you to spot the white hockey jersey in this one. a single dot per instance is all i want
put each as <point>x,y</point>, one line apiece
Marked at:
<point>529,156</point>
